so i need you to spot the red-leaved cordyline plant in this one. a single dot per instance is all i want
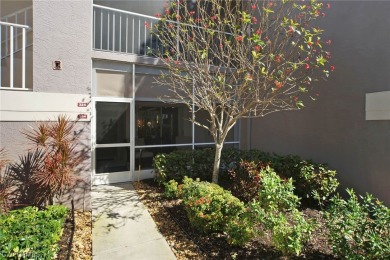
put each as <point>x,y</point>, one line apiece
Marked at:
<point>57,170</point>
<point>6,183</point>
<point>236,59</point>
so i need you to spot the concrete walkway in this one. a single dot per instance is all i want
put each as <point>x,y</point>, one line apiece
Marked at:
<point>122,227</point>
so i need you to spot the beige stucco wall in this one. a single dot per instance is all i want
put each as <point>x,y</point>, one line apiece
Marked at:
<point>334,129</point>
<point>62,31</point>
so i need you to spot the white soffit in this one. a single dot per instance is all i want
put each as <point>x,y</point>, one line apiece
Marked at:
<point>378,106</point>
<point>38,106</point>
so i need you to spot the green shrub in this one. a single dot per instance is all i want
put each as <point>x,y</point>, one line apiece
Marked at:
<point>277,194</point>
<point>290,231</point>
<point>176,165</point>
<point>240,230</point>
<point>31,234</point>
<point>276,209</point>
<point>172,166</point>
<point>313,182</point>
<point>359,230</point>
<point>171,189</point>
<point>209,207</point>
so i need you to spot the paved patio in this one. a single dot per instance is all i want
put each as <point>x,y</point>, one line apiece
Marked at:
<point>122,227</point>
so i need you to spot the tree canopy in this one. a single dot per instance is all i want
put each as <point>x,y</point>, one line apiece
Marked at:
<point>236,59</point>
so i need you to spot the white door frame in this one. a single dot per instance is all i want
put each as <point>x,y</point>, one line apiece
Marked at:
<point>115,177</point>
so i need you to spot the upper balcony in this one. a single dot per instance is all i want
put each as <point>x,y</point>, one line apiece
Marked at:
<point>123,26</point>
<point>16,45</point>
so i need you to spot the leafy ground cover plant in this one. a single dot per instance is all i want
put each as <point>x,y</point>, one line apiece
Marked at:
<point>29,233</point>
<point>359,229</point>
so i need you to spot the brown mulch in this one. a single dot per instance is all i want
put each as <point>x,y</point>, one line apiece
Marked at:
<point>76,241</point>
<point>187,243</point>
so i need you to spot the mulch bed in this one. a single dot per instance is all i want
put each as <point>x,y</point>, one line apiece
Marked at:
<point>76,240</point>
<point>187,243</point>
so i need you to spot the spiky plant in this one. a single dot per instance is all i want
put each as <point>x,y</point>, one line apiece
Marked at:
<point>58,169</point>
<point>6,183</point>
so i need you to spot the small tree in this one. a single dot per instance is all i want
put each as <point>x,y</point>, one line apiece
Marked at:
<point>236,59</point>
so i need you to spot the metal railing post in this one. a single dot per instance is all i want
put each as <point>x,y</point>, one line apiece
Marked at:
<point>101,29</point>
<point>1,54</point>
<point>24,58</point>
<point>113,31</point>
<point>11,48</point>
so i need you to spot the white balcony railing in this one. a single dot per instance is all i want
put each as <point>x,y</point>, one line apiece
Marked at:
<point>121,31</point>
<point>9,54</point>
<point>13,49</point>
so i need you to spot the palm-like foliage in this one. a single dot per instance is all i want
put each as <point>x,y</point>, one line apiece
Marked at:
<point>6,183</point>
<point>57,170</point>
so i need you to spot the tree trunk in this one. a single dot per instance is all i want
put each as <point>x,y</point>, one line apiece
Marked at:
<point>217,162</point>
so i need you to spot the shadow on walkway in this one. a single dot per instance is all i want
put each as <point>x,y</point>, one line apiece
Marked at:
<point>122,226</point>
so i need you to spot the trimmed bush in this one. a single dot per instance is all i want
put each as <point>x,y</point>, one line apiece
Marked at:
<point>177,164</point>
<point>209,207</point>
<point>31,234</point>
<point>359,230</point>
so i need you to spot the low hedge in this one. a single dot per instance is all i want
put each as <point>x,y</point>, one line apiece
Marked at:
<point>30,233</point>
<point>313,182</point>
<point>180,163</point>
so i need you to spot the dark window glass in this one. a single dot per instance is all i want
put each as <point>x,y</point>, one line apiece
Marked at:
<point>112,123</point>
<point>113,159</point>
<point>159,123</point>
